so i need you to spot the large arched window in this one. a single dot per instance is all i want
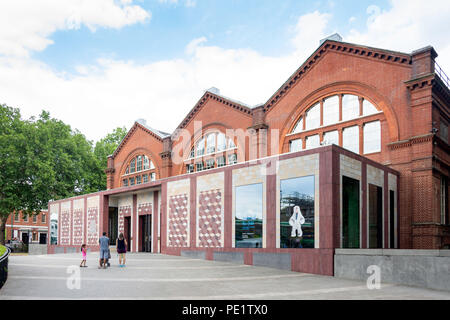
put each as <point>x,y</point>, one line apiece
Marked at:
<point>214,150</point>
<point>341,120</point>
<point>139,170</point>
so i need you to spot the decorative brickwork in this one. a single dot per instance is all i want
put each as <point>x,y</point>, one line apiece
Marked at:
<point>178,221</point>
<point>210,218</point>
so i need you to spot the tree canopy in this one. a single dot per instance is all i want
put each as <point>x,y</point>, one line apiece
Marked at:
<point>43,159</point>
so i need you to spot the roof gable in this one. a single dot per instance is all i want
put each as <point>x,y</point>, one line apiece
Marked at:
<point>336,46</point>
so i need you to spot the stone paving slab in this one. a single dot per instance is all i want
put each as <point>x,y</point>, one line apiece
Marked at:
<point>162,277</point>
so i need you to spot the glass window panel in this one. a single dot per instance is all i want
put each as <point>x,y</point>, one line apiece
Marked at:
<point>443,132</point>
<point>145,178</point>
<point>350,139</point>
<point>138,180</point>
<point>231,144</point>
<point>190,168</point>
<point>132,166</point>
<point>295,145</point>
<point>139,164</point>
<point>43,218</point>
<point>125,182</point>
<point>221,142</point>
<point>127,171</point>
<point>331,137</point>
<point>331,110</point>
<point>221,161</point>
<point>16,217</point>
<point>312,141</point>
<point>25,218</point>
<point>34,218</point>
<point>146,163</point>
<point>232,158</point>
<point>211,143</point>
<point>199,166</point>
<point>350,107</point>
<point>54,228</point>
<point>368,108</point>
<point>201,147</point>
<point>192,154</point>
<point>297,197</point>
<point>248,216</point>
<point>372,137</point>
<point>299,126</point>
<point>209,163</point>
<point>131,181</point>
<point>153,176</point>
<point>313,117</point>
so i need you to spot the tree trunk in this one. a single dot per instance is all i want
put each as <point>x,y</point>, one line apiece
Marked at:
<point>3,220</point>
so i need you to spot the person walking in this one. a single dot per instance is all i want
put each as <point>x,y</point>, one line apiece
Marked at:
<point>121,245</point>
<point>83,261</point>
<point>104,251</point>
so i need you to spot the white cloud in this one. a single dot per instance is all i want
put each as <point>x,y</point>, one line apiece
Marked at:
<point>111,93</point>
<point>407,26</point>
<point>187,3</point>
<point>25,25</point>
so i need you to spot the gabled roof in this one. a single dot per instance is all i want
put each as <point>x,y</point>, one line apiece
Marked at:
<point>140,123</point>
<point>214,95</point>
<point>337,46</point>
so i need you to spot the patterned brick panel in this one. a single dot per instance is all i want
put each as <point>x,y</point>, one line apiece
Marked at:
<point>65,227</point>
<point>210,219</point>
<point>178,221</point>
<point>145,208</point>
<point>92,227</point>
<point>123,211</point>
<point>77,227</point>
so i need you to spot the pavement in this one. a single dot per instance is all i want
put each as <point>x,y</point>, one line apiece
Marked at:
<point>162,277</point>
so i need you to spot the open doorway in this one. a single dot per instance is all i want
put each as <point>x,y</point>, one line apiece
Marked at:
<point>145,231</point>
<point>127,232</point>
<point>113,225</point>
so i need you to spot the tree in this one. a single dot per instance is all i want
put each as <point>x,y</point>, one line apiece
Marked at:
<point>105,147</point>
<point>42,160</point>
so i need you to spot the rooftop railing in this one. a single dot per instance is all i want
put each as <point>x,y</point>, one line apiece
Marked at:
<point>442,75</point>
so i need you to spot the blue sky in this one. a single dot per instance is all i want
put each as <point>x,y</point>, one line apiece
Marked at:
<point>121,60</point>
<point>261,25</point>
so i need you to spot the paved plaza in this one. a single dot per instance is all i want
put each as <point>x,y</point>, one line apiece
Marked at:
<point>162,277</point>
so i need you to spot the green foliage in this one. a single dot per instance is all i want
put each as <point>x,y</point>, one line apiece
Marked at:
<point>2,250</point>
<point>44,159</point>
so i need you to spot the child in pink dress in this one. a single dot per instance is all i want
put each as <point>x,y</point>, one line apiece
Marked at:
<point>83,251</point>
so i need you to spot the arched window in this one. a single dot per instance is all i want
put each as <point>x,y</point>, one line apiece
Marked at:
<point>211,151</point>
<point>138,171</point>
<point>341,117</point>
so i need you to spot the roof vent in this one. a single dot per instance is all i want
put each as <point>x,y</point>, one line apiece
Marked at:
<point>214,90</point>
<point>334,37</point>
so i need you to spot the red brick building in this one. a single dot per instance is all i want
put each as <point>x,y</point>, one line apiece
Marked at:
<point>357,138</point>
<point>28,229</point>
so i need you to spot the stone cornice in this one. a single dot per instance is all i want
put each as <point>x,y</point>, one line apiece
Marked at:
<point>342,47</point>
<point>411,141</point>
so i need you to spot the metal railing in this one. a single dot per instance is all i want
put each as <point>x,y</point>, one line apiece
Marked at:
<point>442,75</point>
<point>4,267</point>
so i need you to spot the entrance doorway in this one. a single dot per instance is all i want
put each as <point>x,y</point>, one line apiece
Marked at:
<point>42,238</point>
<point>25,238</point>
<point>113,225</point>
<point>127,232</point>
<point>350,213</point>
<point>145,230</point>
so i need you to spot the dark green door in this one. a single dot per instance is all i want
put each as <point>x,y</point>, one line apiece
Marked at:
<point>350,213</point>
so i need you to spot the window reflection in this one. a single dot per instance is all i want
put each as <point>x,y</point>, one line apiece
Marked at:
<point>54,228</point>
<point>350,107</point>
<point>295,145</point>
<point>313,117</point>
<point>372,137</point>
<point>350,139</point>
<point>312,141</point>
<point>299,126</point>
<point>297,196</point>
<point>331,137</point>
<point>331,110</point>
<point>368,108</point>
<point>248,216</point>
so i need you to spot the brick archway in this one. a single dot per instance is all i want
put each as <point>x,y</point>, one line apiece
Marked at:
<point>347,87</point>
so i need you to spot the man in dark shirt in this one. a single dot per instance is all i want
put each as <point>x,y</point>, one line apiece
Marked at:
<point>104,250</point>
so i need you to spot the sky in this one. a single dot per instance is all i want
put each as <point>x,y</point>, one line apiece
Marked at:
<point>102,64</point>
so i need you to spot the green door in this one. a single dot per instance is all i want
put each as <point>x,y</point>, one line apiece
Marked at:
<point>350,213</point>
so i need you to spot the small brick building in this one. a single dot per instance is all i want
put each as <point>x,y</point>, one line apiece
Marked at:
<point>28,229</point>
<point>355,143</point>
